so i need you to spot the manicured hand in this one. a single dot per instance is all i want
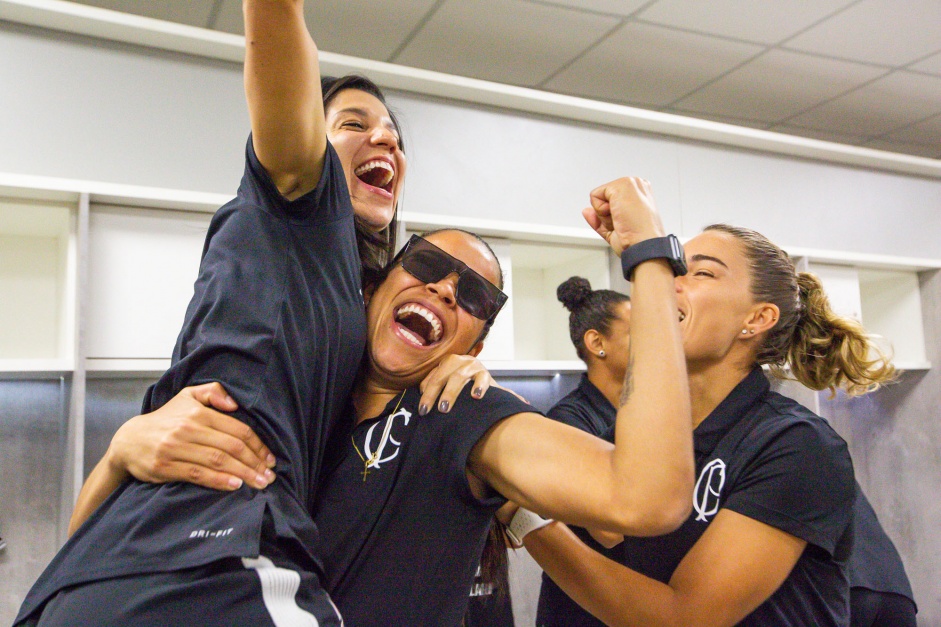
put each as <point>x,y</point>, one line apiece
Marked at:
<point>189,440</point>
<point>445,382</point>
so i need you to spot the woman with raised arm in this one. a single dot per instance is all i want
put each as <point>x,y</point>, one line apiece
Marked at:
<point>770,531</point>
<point>277,319</point>
<point>406,505</point>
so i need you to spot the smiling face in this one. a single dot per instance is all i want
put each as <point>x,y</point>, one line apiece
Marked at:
<point>715,300</point>
<point>413,325</point>
<point>362,132</point>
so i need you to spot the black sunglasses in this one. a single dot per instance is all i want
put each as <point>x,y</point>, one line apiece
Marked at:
<point>428,263</point>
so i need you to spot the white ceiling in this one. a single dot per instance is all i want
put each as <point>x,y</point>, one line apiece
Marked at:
<point>859,72</point>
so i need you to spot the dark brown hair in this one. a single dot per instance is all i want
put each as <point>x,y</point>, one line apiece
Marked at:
<point>590,309</point>
<point>375,248</point>
<point>822,349</point>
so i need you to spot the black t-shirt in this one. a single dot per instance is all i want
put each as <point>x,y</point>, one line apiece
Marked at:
<point>585,408</point>
<point>401,546</point>
<point>277,317</point>
<point>767,457</point>
<point>874,563</point>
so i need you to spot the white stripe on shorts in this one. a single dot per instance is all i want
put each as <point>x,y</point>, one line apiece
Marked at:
<point>278,589</point>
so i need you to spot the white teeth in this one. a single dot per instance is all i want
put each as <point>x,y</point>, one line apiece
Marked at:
<point>377,163</point>
<point>411,336</point>
<point>427,315</point>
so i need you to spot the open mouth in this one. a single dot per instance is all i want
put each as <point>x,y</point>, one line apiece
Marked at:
<point>377,173</point>
<point>419,324</point>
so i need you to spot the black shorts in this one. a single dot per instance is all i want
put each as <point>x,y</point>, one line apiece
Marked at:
<point>222,594</point>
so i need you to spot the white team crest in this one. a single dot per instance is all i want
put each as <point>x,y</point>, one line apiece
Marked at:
<point>708,489</point>
<point>384,440</point>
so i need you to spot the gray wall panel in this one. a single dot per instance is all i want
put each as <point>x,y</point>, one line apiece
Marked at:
<point>32,450</point>
<point>108,404</point>
<point>895,440</point>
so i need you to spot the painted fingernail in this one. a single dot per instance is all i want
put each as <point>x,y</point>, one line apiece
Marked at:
<point>271,460</point>
<point>235,483</point>
<point>422,409</point>
<point>443,407</point>
<point>477,393</point>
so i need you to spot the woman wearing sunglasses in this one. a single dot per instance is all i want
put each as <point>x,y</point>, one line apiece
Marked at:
<point>277,318</point>
<point>407,500</point>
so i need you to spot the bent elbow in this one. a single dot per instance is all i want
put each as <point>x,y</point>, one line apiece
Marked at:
<point>655,514</point>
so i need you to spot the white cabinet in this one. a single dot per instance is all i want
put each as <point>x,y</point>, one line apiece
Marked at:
<point>141,265</point>
<point>125,278</point>
<point>37,284</point>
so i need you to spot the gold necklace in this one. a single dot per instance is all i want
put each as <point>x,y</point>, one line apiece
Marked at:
<point>385,432</point>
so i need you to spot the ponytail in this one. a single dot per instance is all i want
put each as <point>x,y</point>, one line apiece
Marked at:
<point>809,343</point>
<point>830,351</point>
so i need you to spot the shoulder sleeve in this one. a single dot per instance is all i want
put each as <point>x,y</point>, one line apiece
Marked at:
<point>800,481</point>
<point>463,427</point>
<point>329,201</point>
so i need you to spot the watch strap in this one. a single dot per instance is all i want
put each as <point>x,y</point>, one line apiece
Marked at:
<point>523,522</point>
<point>667,247</point>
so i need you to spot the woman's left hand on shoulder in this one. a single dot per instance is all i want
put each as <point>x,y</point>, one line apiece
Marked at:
<point>444,384</point>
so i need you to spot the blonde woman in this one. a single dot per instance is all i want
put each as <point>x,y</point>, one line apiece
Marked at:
<point>767,540</point>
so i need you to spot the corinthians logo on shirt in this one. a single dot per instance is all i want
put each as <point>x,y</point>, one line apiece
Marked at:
<point>709,489</point>
<point>376,451</point>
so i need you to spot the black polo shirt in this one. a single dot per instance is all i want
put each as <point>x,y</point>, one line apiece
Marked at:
<point>278,318</point>
<point>769,458</point>
<point>584,408</point>
<point>874,563</point>
<point>401,546</point>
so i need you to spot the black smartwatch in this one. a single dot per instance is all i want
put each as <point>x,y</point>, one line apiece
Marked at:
<point>668,248</point>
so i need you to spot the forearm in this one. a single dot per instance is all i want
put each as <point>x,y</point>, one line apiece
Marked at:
<point>653,457</point>
<point>613,593</point>
<point>282,87</point>
<point>103,480</point>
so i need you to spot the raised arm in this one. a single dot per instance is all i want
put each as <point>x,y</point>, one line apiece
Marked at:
<point>282,86</point>
<point>643,485</point>
<point>185,440</point>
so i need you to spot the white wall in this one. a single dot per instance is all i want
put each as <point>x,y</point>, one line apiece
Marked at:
<point>76,107</point>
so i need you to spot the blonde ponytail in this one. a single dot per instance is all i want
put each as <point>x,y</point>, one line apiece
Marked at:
<point>830,351</point>
<point>810,342</point>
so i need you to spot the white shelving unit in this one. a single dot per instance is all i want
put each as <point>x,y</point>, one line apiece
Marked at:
<point>127,292</point>
<point>884,296</point>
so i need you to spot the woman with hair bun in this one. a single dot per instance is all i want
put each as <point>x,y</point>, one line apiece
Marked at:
<point>599,325</point>
<point>770,531</point>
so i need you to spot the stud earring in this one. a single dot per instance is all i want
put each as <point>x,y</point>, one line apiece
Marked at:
<point>751,330</point>
<point>601,353</point>
<point>744,331</point>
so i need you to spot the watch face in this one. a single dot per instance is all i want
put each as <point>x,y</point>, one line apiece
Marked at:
<point>678,260</point>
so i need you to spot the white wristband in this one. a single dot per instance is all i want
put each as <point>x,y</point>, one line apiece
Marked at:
<point>523,522</point>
